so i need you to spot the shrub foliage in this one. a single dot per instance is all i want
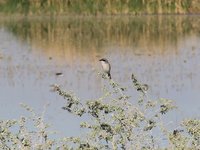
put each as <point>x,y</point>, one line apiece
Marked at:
<point>115,121</point>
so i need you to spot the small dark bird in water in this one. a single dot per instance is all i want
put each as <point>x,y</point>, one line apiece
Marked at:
<point>106,66</point>
<point>59,73</point>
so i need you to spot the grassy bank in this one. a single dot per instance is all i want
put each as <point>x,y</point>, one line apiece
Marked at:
<point>99,7</point>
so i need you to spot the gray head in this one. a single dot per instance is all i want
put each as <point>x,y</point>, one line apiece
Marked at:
<point>104,60</point>
<point>106,66</point>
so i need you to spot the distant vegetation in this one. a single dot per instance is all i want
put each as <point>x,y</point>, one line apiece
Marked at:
<point>99,7</point>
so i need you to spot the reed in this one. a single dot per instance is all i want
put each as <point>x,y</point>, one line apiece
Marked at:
<point>99,7</point>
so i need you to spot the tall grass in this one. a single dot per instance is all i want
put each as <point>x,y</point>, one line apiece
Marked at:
<point>91,7</point>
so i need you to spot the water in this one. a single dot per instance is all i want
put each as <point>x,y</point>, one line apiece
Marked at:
<point>162,51</point>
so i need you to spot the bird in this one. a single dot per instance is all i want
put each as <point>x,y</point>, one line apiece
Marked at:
<point>106,66</point>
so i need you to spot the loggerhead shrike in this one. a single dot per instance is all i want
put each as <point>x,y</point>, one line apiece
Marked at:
<point>106,66</point>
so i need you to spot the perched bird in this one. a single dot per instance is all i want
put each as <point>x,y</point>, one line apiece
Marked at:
<point>106,66</point>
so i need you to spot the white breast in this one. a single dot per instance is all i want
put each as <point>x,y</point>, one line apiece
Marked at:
<point>106,66</point>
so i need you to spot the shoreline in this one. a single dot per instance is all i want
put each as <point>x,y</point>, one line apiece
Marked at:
<point>42,16</point>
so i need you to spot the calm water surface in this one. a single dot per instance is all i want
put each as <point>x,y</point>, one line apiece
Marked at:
<point>163,52</point>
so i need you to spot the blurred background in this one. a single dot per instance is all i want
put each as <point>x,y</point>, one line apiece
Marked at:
<point>40,39</point>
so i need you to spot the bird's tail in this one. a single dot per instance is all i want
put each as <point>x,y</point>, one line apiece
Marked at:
<point>109,75</point>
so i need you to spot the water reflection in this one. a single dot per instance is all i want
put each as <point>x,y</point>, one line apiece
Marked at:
<point>162,51</point>
<point>68,36</point>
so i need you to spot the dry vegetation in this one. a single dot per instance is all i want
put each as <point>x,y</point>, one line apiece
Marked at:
<point>97,7</point>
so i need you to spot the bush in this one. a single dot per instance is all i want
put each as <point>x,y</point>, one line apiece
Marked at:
<point>115,123</point>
